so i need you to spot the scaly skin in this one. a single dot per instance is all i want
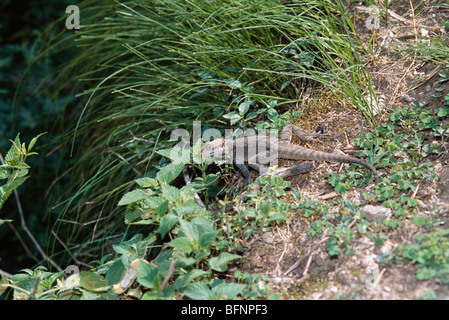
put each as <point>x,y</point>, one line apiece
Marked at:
<point>260,149</point>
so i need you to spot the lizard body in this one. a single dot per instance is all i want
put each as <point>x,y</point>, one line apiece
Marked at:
<point>258,150</point>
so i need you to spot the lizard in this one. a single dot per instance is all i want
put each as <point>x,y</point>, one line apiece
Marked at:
<point>258,150</point>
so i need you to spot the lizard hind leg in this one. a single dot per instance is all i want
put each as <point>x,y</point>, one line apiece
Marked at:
<point>285,172</point>
<point>287,134</point>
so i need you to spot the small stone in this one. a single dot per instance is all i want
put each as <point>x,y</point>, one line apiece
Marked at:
<point>278,280</point>
<point>270,239</point>
<point>373,213</point>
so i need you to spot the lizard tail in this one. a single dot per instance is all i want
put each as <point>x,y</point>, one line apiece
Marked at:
<point>323,156</point>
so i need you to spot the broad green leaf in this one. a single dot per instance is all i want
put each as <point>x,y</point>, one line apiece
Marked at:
<point>182,244</point>
<point>115,272</point>
<point>220,263</point>
<point>4,173</point>
<point>244,107</point>
<point>170,193</point>
<point>187,278</point>
<point>92,281</point>
<point>167,222</point>
<point>196,151</point>
<point>176,154</point>
<point>207,239</point>
<point>147,182</point>
<point>188,229</point>
<point>233,117</point>
<point>169,173</point>
<point>146,274</point>
<point>134,196</point>
<point>251,115</point>
<point>272,103</point>
<point>162,209</point>
<point>13,153</point>
<point>228,290</point>
<point>233,84</point>
<point>273,115</point>
<point>198,291</point>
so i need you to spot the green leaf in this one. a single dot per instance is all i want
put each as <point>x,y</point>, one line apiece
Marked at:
<point>228,290</point>
<point>198,291</point>
<point>196,151</point>
<point>146,274</point>
<point>220,263</point>
<point>4,173</point>
<point>33,141</point>
<point>272,114</point>
<point>3,221</point>
<point>167,222</point>
<point>92,281</point>
<point>162,209</point>
<point>233,84</point>
<point>170,193</point>
<point>13,153</point>
<point>182,244</point>
<point>251,115</point>
<point>135,196</point>
<point>187,278</point>
<point>115,272</point>
<point>206,232</point>
<point>170,172</point>
<point>272,103</point>
<point>147,182</point>
<point>233,117</point>
<point>244,107</point>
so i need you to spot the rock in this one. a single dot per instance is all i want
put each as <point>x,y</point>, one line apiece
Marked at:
<point>373,213</point>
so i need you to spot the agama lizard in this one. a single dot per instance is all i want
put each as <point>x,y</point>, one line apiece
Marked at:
<point>258,150</point>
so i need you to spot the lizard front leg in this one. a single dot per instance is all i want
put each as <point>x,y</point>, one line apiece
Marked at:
<point>243,169</point>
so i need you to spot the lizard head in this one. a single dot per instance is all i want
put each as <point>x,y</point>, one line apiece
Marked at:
<point>213,150</point>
